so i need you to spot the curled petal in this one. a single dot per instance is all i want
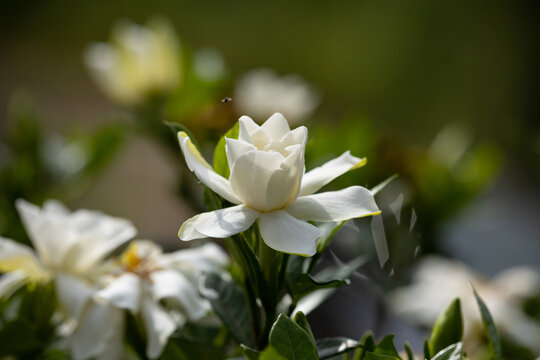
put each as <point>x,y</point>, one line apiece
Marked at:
<point>284,183</point>
<point>172,285</point>
<point>316,178</point>
<point>204,171</point>
<point>218,224</point>
<point>276,126</point>
<point>158,325</point>
<point>352,202</point>
<point>284,233</point>
<point>92,338</point>
<point>124,292</point>
<point>246,127</point>
<point>16,256</point>
<point>250,175</point>
<point>236,148</point>
<point>11,282</point>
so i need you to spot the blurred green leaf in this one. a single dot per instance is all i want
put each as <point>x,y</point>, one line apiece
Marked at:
<point>452,352</point>
<point>305,284</point>
<point>448,328</point>
<point>408,351</point>
<point>231,306</point>
<point>427,353</point>
<point>221,164</point>
<point>386,347</point>
<point>249,353</point>
<point>493,338</point>
<point>367,343</point>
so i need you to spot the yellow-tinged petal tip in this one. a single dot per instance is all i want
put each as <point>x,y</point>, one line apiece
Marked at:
<point>359,164</point>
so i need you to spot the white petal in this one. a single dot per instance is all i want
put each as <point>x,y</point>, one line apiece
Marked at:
<point>11,282</point>
<point>284,184</point>
<point>100,324</point>
<point>246,127</point>
<point>159,326</point>
<point>41,228</point>
<point>296,136</point>
<point>97,235</point>
<point>172,285</point>
<point>123,292</point>
<point>204,171</point>
<point>72,294</point>
<point>206,258</point>
<point>316,178</point>
<point>276,126</point>
<point>352,202</point>
<point>218,224</point>
<point>250,174</point>
<point>284,233</point>
<point>16,256</point>
<point>236,148</point>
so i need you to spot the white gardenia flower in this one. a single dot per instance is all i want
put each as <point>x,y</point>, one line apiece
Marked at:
<point>437,281</point>
<point>267,183</point>
<point>147,278</point>
<point>138,62</point>
<point>67,244</point>
<point>262,92</point>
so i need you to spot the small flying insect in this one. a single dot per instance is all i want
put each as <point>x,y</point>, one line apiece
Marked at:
<point>226,99</point>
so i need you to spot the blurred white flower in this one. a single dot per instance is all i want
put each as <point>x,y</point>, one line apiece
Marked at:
<point>267,183</point>
<point>208,64</point>
<point>146,279</point>
<point>70,248</point>
<point>437,281</point>
<point>262,92</point>
<point>138,62</point>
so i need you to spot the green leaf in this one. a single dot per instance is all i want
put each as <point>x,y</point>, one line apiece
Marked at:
<point>493,338</point>
<point>386,347</point>
<point>211,200</point>
<point>102,146</point>
<point>221,165</point>
<point>330,347</point>
<point>305,284</point>
<point>448,328</point>
<point>301,319</point>
<point>373,356</point>
<point>427,353</point>
<point>231,306</point>
<point>408,351</point>
<point>290,341</point>
<point>249,353</point>
<point>270,353</point>
<point>367,343</point>
<point>452,352</point>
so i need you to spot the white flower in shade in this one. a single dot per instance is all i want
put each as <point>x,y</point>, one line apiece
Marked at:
<point>138,62</point>
<point>437,281</point>
<point>146,279</point>
<point>267,183</point>
<point>261,92</point>
<point>65,243</point>
<point>70,248</point>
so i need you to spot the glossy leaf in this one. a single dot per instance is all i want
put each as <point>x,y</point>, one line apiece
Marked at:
<point>330,347</point>
<point>386,347</point>
<point>305,284</point>
<point>452,352</point>
<point>492,335</point>
<point>290,341</point>
<point>231,306</point>
<point>448,328</point>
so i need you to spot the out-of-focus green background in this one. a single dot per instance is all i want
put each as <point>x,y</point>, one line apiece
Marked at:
<point>408,69</point>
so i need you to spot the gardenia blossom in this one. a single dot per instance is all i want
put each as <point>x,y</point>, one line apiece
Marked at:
<point>145,280</point>
<point>267,183</point>
<point>70,248</point>
<point>138,62</point>
<point>261,92</point>
<point>437,281</point>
